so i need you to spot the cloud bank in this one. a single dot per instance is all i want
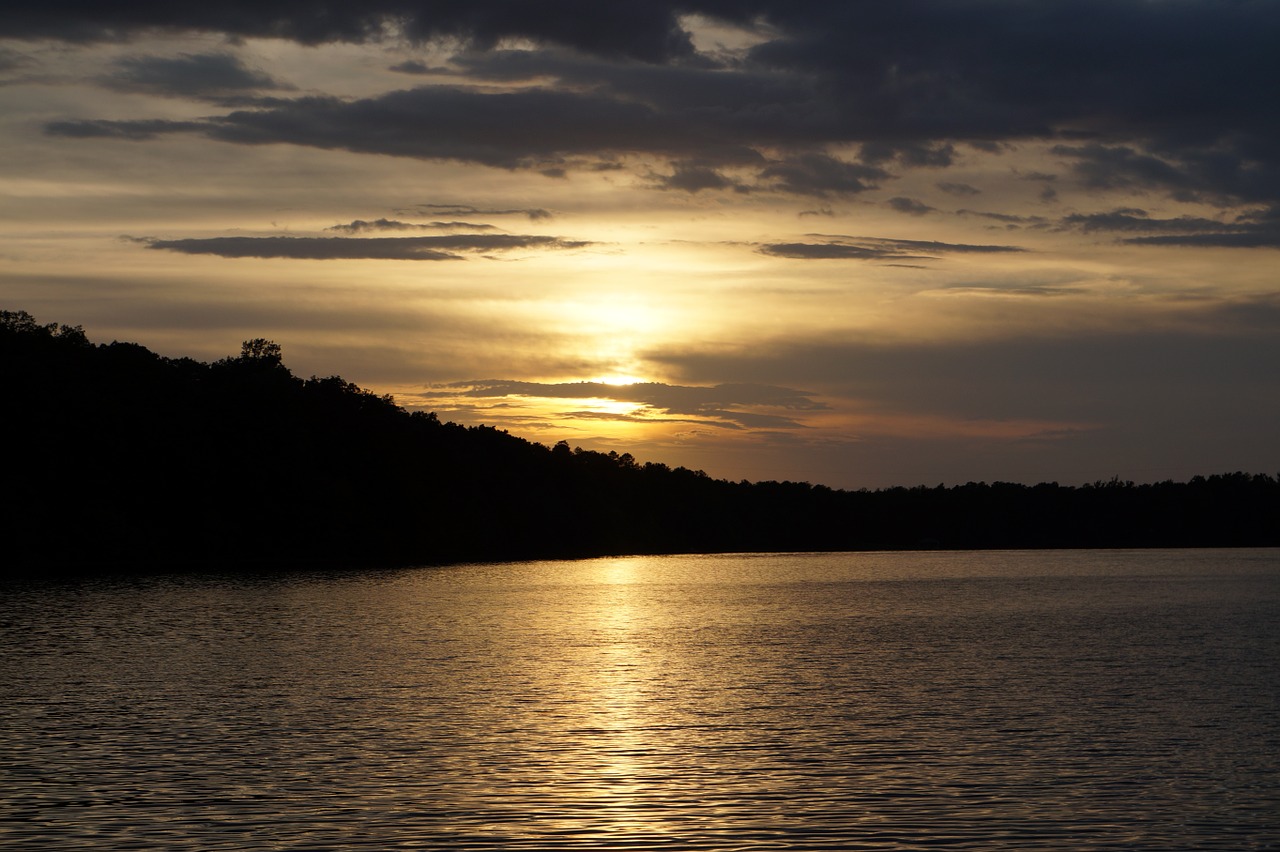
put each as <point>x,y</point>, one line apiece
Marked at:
<point>832,99</point>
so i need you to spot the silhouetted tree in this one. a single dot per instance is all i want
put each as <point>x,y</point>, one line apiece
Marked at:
<point>130,460</point>
<point>262,350</point>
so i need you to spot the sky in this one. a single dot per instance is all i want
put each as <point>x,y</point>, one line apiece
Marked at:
<point>857,244</point>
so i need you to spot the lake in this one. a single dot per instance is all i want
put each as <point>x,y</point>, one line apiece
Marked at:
<point>1080,700</point>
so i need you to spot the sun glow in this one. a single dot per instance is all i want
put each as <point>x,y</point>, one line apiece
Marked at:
<point>611,407</point>
<point>618,379</point>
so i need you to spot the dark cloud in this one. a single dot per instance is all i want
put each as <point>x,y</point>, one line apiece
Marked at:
<point>412,66</point>
<point>693,178</point>
<point>533,213</point>
<point>1133,219</point>
<point>727,405</point>
<point>644,30</point>
<point>360,226</point>
<point>821,175</point>
<point>1229,239</point>
<point>1048,193</point>
<point>371,248</point>
<point>1110,167</point>
<point>950,69</point>
<point>910,206</point>
<point>525,129</point>
<point>875,248</point>
<point>1010,220</point>
<point>1224,174</point>
<point>204,75</point>
<point>934,156</point>
<point>826,251</point>
<point>961,189</point>
<point>956,248</point>
<point>759,104</point>
<point>1157,95</point>
<point>1255,229</point>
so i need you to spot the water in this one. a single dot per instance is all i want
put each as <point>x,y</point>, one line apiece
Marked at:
<point>996,701</point>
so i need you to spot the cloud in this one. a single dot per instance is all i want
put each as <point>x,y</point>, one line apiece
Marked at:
<point>1254,229</point>
<point>1134,376</point>
<point>530,128</point>
<point>1230,171</point>
<point>734,406</point>
<point>821,175</point>
<point>910,206</point>
<point>649,31</point>
<point>412,66</point>
<point>204,75</point>
<point>937,155</point>
<point>693,178</point>
<point>1165,94</point>
<point>827,251</point>
<point>533,213</point>
<point>1004,292</point>
<point>360,226</point>
<point>1010,220</point>
<point>1109,167</point>
<point>369,248</point>
<point>1132,95</point>
<point>1134,219</point>
<point>1236,239</point>
<point>960,189</point>
<point>876,248</point>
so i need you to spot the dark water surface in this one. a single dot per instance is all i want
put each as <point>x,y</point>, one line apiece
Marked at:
<point>987,700</point>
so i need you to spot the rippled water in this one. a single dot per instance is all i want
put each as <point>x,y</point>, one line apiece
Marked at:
<point>995,701</point>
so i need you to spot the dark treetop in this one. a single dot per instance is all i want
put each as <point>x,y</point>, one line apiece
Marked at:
<point>121,458</point>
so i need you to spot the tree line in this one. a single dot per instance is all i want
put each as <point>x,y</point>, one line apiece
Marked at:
<point>122,458</point>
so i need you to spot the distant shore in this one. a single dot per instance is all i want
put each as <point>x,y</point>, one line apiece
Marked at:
<point>132,460</point>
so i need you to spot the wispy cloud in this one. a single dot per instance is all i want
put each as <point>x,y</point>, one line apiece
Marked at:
<point>360,226</point>
<point>1251,229</point>
<point>367,248</point>
<point>735,406</point>
<point>834,247</point>
<point>193,75</point>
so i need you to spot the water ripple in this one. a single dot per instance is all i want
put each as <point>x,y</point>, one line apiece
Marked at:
<point>1085,701</point>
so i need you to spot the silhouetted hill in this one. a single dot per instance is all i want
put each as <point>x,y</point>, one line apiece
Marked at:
<point>119,457</point>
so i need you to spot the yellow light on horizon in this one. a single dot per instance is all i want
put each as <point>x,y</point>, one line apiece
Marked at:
<point>615,407</point>
<point>618,379</point>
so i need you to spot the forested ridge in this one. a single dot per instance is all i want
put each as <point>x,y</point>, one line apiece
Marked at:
<point>121,458</point>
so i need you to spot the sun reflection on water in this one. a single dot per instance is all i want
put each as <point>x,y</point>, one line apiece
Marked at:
<point>617,668</point>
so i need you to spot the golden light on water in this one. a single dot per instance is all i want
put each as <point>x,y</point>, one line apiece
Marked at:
<point>625,672</point>
<point>609,685</point>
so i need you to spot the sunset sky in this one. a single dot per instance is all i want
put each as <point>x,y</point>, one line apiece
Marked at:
<point>862,244</point>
